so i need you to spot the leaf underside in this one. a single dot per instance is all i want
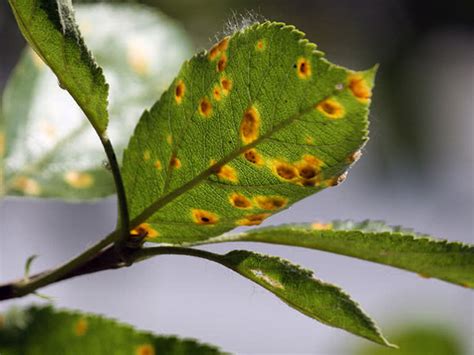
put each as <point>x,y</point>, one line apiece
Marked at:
<point>42,330</point>
<point>374,241</point>
<point>51,151</point>
<point>300,290</point>
<point>50,29</point>
<point>259,122</point>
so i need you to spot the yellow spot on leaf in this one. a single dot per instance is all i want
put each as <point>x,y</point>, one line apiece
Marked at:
<point>284,170</point>
<point>331,108</point>
<point>169,139</point>
<point>271,202</point>
<point>175,163</point>
<point>309,140</point>
<point>250,125</point>
<point>146,155</point>
<point>240,201</point>
<point>179,91</point>
<point>227,173</point>
<point>261,45</point>
<point>253,157</point>
<point>216,92</point>
<point>222,63</point>
<point>145,349</point>
<point>204,217</point>
<point>253,219</point>
<point>80,328</point>
<point>359,87</point>
<point>144,230</point>
<point>205,107</point>
<point>157,164</point>
<point>267,279</point>
<point>303,68</point>
<point>79,180</point>
<point>226,85</point>
<point>321,226</point>
<point>27,185</point>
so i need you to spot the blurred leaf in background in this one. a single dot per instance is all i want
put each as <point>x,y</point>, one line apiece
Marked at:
<point>419,339</point>
<point>50,149</point>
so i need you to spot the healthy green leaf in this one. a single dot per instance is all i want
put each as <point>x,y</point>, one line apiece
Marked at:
<point>300,290</point>
<point>50,29</point>
<point>259,122</point>
<point>43,330</point>
<point>377,242</point>
<point>50,149</point>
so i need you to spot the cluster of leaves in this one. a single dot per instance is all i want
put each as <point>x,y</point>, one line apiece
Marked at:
<point>245,130</point>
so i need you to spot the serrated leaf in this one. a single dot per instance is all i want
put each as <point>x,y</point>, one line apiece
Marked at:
<point>259,122</point>
<point>43,330</point>
<point>50,28</point>
<point>300,290</point>
<point>50,149</point>
<point>374,241</point>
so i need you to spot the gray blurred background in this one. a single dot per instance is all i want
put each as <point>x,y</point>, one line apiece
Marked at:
<point>417,170</point>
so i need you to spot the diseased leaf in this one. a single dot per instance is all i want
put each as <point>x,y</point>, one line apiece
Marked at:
<point>50,149</point>
<point>300,290</point>
<point>259,122</point>
<point>43,330</point>
<point>374,241</point>
<point>50,29</point>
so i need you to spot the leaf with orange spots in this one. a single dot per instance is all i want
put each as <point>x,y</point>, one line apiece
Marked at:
<point>374,241</point>
<point>274,118</point>
<point>299,289</point>
<point>50,149</point>
<point>44,330</point>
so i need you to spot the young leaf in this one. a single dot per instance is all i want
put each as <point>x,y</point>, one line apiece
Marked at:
<point>50,149</point>
<point>50,29</point>
<point>374,241</point>
<point>43,330</point>
<point>259,122</point>
<point>300,290</point>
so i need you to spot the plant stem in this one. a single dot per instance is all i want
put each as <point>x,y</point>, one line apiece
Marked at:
<point>97,259</point>
<point>123,223</point>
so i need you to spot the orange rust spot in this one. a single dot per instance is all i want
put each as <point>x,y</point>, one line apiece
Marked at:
<point>359,87</point>
<point>223,44</point>
<point>331,108</point>
<point>253,157</point>
<point>213,52</point>
<point>204,217</point>
<point>157,164</point>
<point>285,171</point>
<point>205,107</point>
<point>250,125</point>
<point>145,349</point>
<point>271,202</point>
<point>253,219</point>
<point>240,201</point>
<point>226,85</point>
<point>303,67</point>
<point>321,226</point>
<point>144,230</point>
<point>222,63</point>
<point>260,45</point>
<point>218,48</point>
<point>175,163</point>
<point>216,92</point>
<point>78,179</point>
<point>309,167</point>
<point>179,91</point>
<point>80,328</point>
<point>227,173</point>
<point>354,157</point>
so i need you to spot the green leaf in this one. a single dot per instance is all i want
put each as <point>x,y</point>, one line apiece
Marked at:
<point>43,330</point>
<point>259,122</point>
<point>300,290</point>
<point>50,29</point>
<point>50,149</point>
<point>374,241</point>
